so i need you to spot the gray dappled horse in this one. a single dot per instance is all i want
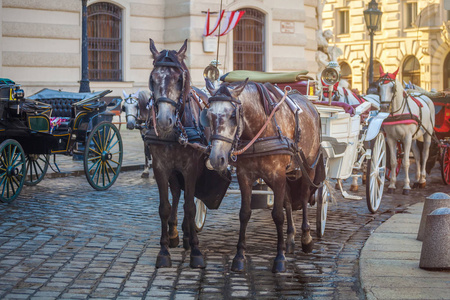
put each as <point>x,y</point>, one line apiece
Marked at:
<point>136,110</point>
<point>173,114</point>
<point>237,112</point>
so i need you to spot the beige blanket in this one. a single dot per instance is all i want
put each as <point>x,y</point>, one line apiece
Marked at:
<point>272,77</point>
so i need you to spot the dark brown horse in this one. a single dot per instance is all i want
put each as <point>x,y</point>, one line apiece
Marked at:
<point>287,145</point>
<point>176,119</point>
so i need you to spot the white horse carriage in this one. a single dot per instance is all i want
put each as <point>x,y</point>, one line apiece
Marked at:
<point>353,143</point>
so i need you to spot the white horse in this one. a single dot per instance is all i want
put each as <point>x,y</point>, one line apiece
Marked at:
<point>137,113</point>
<point>343,93</point>
<point>411,119</point>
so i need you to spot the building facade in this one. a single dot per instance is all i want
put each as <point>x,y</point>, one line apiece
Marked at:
<point>414,37</point>
<point>41,40</point>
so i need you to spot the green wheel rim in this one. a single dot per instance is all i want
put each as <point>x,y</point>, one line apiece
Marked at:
<point>103,156</point>
<point>12,170</point>
<point>37,165</point>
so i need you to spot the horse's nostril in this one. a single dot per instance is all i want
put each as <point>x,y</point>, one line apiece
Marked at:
<point>222,161</point>
<point>170,121</point>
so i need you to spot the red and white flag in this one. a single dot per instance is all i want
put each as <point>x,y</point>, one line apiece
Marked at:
<point>230,21</point>
<point>227,24</point>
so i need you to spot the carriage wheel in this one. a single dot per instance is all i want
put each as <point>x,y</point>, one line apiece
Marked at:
<point>37,166</point>
<point>200,214</point>
<point>323,198</point>
<point>103,156</point>
<point>445,165</point>
<point>12,170</point>
<point>376,169</point>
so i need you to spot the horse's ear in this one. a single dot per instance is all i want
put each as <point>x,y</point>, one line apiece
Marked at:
<point>381,71</point>
<point>124,94</point>
<point>182,52</point>
<point>238,89</point>
<point>210,87</point>
<point>153,49</point>
<point>395,73</point>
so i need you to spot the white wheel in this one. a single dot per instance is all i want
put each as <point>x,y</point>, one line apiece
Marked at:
<point>323,198</point>
<point>376,169</point>
<point>200,214</point>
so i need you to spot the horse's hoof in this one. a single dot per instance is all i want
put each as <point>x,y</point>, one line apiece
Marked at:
<point>145,175</point>
<point>290,247</point>
<point>336,186</point>
<point>391,190</point>
<point>307,248</point>
<point>173,242</point>
<point>279,265</point>
<point>163,261</point>
<point>422,185</point>
<point>406,191</point>
<point>238,264</point>
<point>197,262</point>
<point>186,245</point>
<point>354,188</point>
<point>415,185</point>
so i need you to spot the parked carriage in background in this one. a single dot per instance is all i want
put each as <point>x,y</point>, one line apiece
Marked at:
<point>442,131</point>
<point>353,142</point>
<point>55,122</point>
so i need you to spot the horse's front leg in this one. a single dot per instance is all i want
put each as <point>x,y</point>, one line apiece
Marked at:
<point>407,147</point>
<point>245,185</point>
<point>416,152</point>
<point>163,258</point>
<point>146,172</point>
<point>175,189</point>
<point>197,260</point>
<point>307,241</point>
<point>425,154</point>
<point>279,191</point>
<point>290,238</point>
<point>392,143</point>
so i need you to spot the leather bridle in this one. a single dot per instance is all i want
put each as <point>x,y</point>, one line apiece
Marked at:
<point>237,113</point>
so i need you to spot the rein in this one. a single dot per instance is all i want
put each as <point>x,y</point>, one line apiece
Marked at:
<point>239,152</point>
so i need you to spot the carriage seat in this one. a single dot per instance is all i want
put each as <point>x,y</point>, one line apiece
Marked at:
<point>347,107</point>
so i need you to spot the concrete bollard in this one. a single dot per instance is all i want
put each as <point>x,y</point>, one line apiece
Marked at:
<point>432,202</point>
<point>435,254</point>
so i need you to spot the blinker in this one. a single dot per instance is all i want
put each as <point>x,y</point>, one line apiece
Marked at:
<point>204,120</point>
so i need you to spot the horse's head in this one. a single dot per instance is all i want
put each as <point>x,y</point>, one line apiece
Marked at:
<point>170,83</point>
<point>131,108</point>
<point>387,89</point>
<point>225,118</point>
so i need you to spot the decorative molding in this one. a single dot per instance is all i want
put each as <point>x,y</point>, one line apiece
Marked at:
<point>445,34</point>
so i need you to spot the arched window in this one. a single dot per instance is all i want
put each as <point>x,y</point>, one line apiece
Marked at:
<point>411,70</point>
<point>346,72</point>
<point>104,42</point>
<point>248,41</point>
<point>447,72</point>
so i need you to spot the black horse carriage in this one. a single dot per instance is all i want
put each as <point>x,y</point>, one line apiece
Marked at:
<point>55,122</point>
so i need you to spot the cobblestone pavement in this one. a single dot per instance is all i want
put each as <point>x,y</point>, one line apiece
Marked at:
<point>64,240</point>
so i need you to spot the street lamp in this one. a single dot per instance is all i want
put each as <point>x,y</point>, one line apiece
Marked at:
<point>372,16</point>
<point>84,82</point>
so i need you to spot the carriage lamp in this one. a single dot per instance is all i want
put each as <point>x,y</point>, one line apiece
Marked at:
<point>372,16</point>
<point>330,76</point>
<point>18,93</point>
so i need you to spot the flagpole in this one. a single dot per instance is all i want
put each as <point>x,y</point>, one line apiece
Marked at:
<point>218,38</point>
